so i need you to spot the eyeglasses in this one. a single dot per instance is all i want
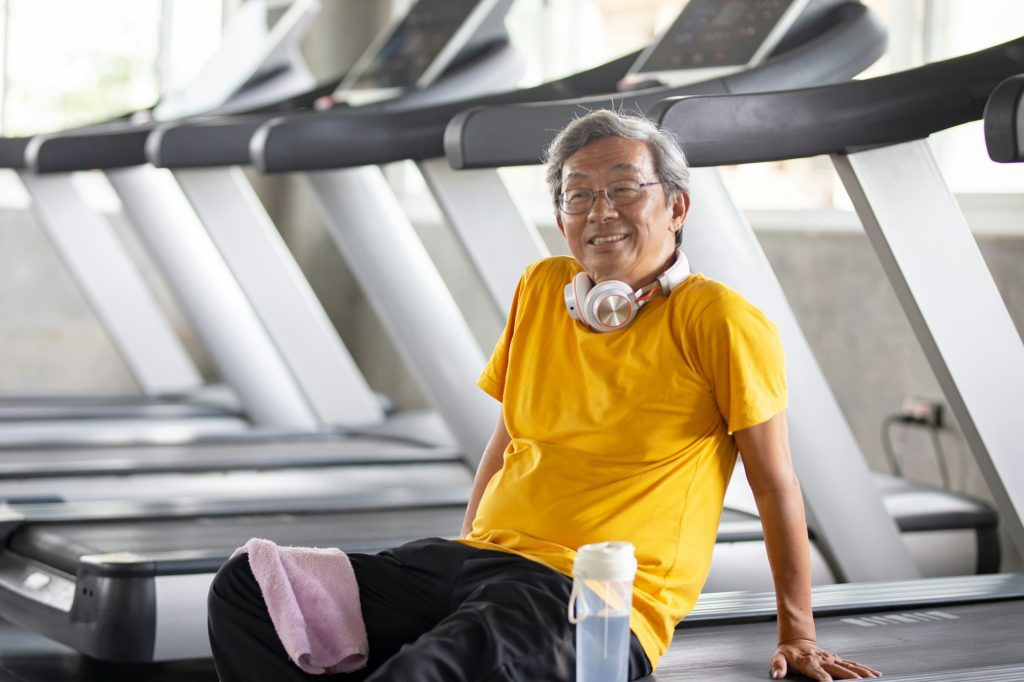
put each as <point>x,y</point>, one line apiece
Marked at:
<point>622,193</point>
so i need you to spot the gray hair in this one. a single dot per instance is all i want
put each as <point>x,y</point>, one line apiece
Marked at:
<point>669,160</point>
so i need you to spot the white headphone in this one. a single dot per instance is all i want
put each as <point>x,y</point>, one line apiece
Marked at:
<point>612,305</point>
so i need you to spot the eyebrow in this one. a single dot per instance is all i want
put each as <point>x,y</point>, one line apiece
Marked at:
<point>616,168</point>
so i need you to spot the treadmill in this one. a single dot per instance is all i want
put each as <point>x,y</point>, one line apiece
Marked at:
<point>961,538</point>
<point>330,144</point>
<point>911,630</point>
<point>270,318</point>
<point>115,582</point>
<point>306,141</point>
<point>884,161</point>
<point>256,60</point>
<point>267,464</point>
<point>333,140</point>
<point>875,133</point>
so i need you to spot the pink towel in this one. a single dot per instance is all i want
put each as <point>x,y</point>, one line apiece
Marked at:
<point>313,600</point>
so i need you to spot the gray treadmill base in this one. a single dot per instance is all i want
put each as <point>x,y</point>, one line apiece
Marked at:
<point>965,642</point>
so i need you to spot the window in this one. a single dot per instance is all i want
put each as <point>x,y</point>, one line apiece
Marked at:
<point>67,62</point>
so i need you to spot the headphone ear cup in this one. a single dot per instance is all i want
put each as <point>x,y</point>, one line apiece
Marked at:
<point>576,294</point>
<point>610,306</point>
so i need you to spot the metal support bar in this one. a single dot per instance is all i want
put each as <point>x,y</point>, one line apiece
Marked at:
<point>845,509</point>
<point>499,239</point>
<point>936,269</point>
<point>212,299</point>
<point>407,293</point>
<point>281,296</point>
<point>113,286</point>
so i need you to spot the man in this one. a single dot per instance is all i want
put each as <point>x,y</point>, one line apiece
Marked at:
<point>626,435</point>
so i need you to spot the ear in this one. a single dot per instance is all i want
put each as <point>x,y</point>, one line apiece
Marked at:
<point>680,207</point>
<point>558,221</point>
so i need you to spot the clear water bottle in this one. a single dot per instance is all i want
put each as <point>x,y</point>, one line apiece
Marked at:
<point>602,594</point>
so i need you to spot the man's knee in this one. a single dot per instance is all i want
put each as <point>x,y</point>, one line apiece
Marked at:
<point>233,584</point>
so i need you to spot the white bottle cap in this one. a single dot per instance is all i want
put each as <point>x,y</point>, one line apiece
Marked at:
<point>605,561</point>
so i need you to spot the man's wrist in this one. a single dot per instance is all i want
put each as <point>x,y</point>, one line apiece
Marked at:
<point>793,640</point>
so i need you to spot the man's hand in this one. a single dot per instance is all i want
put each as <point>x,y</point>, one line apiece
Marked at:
<point>804,656</point>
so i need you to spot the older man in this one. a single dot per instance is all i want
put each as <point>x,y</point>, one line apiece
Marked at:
<point>627,386</point>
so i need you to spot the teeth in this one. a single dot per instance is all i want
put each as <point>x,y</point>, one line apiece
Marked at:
<point>605,240</point>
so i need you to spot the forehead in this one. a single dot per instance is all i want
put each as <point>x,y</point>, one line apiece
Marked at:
<point>609,155</point>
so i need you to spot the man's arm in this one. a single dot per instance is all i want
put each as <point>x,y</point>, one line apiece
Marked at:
<point>769,468</point>
<point>493,458</point>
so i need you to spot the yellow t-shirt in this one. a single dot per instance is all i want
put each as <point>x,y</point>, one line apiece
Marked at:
<point>626,435</point>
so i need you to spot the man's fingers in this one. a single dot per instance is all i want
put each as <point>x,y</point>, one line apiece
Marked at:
<point>858,670</point>
<point>818,664</point>
<point>778,665</point>
<point>814,671</point>
<point>862,670</point>
<point>840,670</point>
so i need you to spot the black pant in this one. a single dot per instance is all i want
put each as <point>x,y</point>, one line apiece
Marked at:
<point>435,611</point>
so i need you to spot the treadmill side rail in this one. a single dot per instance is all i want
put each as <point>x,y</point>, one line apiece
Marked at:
<point>103,617</point>
<point>934,266</point>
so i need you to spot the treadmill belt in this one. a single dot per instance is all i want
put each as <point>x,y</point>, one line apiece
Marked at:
<point>919,642</point>
<point>61,544</point>
<point>265,453</point>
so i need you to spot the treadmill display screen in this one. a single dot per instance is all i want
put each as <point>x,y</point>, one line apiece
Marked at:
<point>414,44</point>
<point>715,33</point>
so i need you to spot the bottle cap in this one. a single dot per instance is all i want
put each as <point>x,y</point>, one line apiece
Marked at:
<point>605,561</point>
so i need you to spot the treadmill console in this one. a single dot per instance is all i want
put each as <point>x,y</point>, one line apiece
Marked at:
<point>413,51</point>
<point>712,38</point>
<point>248,62</point>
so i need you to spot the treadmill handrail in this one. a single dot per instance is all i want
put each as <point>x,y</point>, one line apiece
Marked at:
<point>12,152</point>
<point>123,143</point>
<point>357,137</point>
<point>1004,121</point>
<point>855,33</point>
<point>211,142</point>
<point>115,145</point>
<point>13,149</point>
<point>833,119</point>
<point>219,139</point>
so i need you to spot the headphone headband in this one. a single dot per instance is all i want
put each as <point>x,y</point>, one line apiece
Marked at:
<point>612,304</point>
<point>676,273</point>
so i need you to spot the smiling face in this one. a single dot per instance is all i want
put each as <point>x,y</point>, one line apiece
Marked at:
<point>633,243</point>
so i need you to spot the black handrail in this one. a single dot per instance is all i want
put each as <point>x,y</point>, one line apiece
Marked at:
<point>1004,121</point>
<point>850,39</point>
<point>881,111</point>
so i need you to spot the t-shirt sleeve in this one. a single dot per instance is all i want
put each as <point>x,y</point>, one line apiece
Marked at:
<point>741,355</point>
<point>492,379</point>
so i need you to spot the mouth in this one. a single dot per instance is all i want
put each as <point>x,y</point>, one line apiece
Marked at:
<point>606,239</point>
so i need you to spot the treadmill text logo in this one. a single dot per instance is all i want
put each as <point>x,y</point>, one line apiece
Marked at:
<point>901,618</point>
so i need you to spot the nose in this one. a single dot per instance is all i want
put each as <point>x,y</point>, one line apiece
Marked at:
<point>603,208</point>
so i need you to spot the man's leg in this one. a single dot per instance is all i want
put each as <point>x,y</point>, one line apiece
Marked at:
<point>509,622</point>
<point>245,645</point>
<point>403,593</point>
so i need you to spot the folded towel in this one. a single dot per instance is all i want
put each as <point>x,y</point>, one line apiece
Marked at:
<point>313,600</point>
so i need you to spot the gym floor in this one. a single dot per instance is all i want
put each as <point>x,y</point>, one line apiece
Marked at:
<point>26,657</point>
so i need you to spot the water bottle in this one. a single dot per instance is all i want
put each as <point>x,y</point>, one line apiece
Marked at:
<point>602,594</point>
